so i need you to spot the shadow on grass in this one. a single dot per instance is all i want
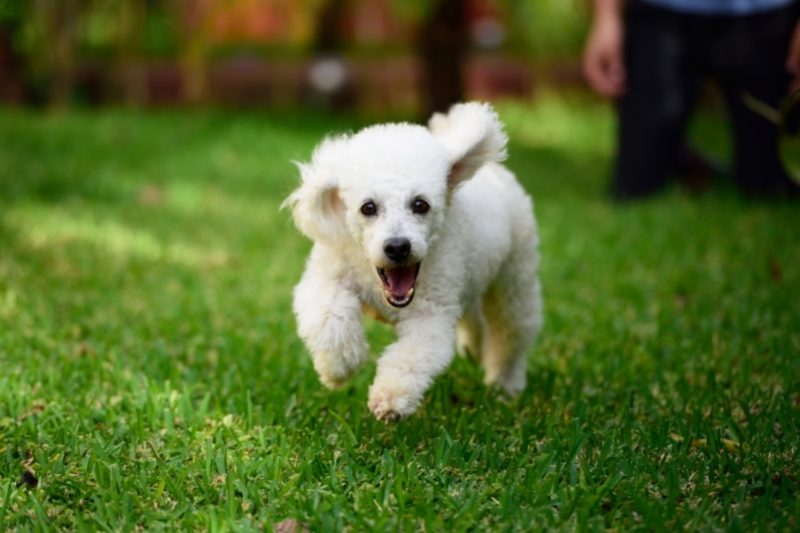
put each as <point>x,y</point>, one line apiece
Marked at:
<point>98,157</point>
<point>551,174</point>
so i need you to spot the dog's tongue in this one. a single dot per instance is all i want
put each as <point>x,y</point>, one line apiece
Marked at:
<point>400,280</point>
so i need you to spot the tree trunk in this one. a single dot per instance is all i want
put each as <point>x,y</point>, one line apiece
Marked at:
<point>60,21</point>
<point>193,16</point>
<point>12,79</point>
<point>443,43</point>
<point>129,76</point>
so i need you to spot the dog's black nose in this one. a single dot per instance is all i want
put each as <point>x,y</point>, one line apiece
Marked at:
<point>397,249</point>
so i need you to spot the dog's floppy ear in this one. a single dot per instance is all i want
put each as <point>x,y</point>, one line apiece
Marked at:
<point>316,207</point>
<point>473,136</point>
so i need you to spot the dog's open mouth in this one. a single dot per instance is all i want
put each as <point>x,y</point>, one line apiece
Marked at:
<point>399,283</point>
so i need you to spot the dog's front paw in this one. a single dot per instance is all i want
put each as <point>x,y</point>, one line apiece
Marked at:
<point>332,373</point>
<point>338,361</point>
<point>390,401</point>
<point>334,381</point>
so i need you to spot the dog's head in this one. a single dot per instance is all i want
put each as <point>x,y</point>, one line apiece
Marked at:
<point>386,190</point>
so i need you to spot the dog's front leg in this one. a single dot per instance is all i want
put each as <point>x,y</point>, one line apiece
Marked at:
<point>424,348</point>
<point>329,322</point>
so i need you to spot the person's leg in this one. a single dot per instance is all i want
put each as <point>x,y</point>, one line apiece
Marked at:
<point>748,56</point>
<point>662,82</point>
<point>696,171</point>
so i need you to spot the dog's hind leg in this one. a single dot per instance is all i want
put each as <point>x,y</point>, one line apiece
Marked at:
<point>513,310</point>
<point>469,335</point>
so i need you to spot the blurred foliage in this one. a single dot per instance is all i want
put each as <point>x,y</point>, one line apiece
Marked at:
<point>11,9</point>
<point>102,23</point>
<point>544,28</point>
<point>548,29</point>
<point>58,45</point>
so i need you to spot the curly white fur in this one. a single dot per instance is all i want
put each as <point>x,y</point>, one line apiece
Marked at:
<point>476,248</point>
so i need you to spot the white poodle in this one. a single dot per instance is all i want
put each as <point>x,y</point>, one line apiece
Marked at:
<point>425,229</point>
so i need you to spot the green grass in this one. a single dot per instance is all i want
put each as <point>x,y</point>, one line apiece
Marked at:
<point>150,374</point>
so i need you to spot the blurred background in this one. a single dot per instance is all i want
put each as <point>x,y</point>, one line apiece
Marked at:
<point>379,56</point>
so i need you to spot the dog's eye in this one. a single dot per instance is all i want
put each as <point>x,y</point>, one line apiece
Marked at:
<point>369,208</point>
<point>420,206</point>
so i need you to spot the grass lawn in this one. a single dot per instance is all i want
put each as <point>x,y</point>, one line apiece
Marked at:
<point>151,376</point>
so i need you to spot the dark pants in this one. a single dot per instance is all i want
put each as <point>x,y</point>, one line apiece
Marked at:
<point>667,54</point>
